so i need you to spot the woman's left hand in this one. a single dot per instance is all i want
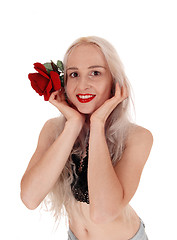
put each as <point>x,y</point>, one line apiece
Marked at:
<point>102,113</point>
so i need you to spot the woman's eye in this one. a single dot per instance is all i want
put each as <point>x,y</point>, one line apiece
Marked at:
<point>74,74</point>
<point>95,73</point>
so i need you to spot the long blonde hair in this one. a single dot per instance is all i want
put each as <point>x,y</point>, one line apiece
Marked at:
<point>116,129</point>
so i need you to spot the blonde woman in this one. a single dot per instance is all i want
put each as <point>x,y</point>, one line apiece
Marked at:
<point>90,159</point>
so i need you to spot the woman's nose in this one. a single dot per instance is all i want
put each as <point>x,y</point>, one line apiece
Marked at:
<point>83,84</point>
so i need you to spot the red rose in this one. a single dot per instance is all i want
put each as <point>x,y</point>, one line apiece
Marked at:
<point>44,83</point>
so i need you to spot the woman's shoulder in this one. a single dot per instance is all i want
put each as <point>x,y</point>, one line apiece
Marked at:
<point>52,128</point>
<point>54,123</point>
<point>139,133</point>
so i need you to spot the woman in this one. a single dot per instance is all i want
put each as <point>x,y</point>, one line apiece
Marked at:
<point>91,158</point>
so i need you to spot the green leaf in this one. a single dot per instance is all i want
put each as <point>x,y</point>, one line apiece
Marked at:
<point>60,65</point>
<point>62,80</point>
<point>48,67</point>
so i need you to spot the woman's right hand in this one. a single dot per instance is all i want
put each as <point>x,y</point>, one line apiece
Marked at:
<point>57,98</point>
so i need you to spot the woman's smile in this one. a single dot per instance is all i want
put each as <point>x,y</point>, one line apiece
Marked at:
<point>85,98</point>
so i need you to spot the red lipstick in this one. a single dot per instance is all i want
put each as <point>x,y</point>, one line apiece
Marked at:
<point>85,98</point>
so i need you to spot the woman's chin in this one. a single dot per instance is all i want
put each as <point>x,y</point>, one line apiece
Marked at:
<point>85,111</point>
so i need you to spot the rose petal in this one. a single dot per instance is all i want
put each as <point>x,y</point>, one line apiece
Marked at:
<point>41,69</point>
<point>40,66</point>
<point>55,78</point>
<point>38,82</point>
<point>48,91</point>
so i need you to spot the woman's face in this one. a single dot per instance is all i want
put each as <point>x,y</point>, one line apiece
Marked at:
<point>89,80</point>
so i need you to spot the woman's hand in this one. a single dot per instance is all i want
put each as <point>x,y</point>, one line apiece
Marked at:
<point>57,98</point>
<point>102,113</point>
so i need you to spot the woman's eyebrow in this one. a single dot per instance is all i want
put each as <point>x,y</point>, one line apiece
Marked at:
<point>72,68</point>
<point>96,66</point>
<point>91,67</point>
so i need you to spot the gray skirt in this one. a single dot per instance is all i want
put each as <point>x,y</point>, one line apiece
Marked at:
<point>140,235</point>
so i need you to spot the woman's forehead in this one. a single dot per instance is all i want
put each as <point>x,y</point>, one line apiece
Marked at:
<point>86,55</point>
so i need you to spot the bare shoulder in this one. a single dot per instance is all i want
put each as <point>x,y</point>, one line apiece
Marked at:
<point>54,124</point>
<point>140,138</point>
<point>139,133</point>
<point>51,130</point>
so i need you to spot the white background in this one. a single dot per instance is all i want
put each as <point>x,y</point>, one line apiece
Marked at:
<point>144,34</point>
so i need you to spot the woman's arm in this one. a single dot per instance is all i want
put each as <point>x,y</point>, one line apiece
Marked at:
<point>111,189</point>
<point>47,162</point>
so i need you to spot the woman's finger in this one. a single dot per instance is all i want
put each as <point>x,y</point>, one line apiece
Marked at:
<point>124,91</point>
<point>117,90</point>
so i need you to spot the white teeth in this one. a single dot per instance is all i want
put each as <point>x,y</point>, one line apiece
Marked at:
<point>85,96</point>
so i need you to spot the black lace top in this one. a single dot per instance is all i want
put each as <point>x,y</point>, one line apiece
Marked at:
<point>79,185</point>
